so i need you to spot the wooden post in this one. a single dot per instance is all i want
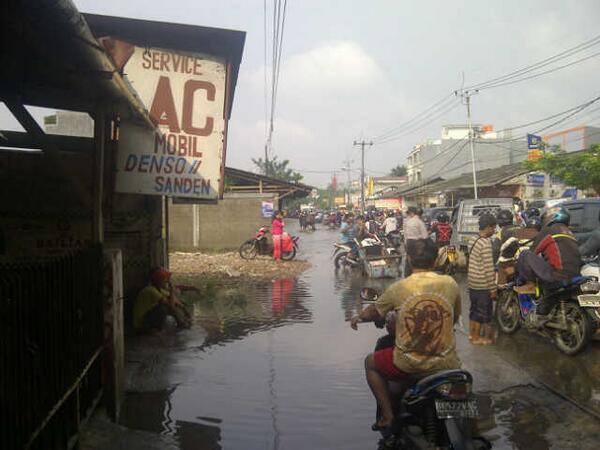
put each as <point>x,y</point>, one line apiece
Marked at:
<point>100,136</point>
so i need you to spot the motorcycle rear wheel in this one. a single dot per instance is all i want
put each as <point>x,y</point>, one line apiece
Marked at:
<point>289,255</point>
<point>576,338</point>
<point>248,250</point>
<point>508,312</point>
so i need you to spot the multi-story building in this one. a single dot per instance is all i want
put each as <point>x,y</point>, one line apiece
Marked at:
<point>573,139</point>
<point>450,156</point>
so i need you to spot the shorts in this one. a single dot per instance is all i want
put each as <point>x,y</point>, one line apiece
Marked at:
<point>154,319</point>
<point>384,363</point>
<point>482,306</point>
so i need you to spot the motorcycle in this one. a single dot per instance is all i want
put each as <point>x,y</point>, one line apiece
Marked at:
<point>343,257</point>
<point>260,245</point>
<point>573,318</point>
<point>433,412</point>
<point>447,260</point>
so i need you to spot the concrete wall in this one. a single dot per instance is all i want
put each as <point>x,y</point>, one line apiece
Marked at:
<point>217,227</point>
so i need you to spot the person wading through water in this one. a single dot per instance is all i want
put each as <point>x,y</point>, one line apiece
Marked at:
<point>482,282</point>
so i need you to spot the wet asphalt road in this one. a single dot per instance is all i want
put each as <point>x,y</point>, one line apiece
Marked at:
<point>276,366</point>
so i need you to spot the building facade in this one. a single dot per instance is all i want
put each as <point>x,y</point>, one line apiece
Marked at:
<point>450,156</point>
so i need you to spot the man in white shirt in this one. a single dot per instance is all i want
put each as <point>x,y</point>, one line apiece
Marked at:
<point>390,224</point>
<point>414,230</point>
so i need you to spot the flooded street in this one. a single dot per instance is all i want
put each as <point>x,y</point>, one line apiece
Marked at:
<point>276,366</point>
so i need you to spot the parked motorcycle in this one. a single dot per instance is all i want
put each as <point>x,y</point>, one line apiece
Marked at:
<point>573,319</point>
<point>432,412</point>
<point>260,245</point>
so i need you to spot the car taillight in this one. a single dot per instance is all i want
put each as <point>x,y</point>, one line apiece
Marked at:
<point>454,391</point>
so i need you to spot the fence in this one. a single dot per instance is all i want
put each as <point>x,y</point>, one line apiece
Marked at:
<point>50,340</point>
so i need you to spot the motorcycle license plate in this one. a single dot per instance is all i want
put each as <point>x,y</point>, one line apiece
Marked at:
<point>464,409</point>
<point>589,300</point>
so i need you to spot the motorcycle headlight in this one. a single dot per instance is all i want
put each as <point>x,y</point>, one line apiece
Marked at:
<point>590,286</point>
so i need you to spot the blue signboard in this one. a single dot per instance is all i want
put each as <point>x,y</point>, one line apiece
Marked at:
<point>533,141</point>
<point>536,179</point>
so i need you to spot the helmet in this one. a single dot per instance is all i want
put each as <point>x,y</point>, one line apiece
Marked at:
<point>534,222</point>
<point>443,217</point>
<point>531,211</point>
<point>556,214</point>
<point>504,217</point>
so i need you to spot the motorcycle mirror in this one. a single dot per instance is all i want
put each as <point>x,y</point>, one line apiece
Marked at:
<point>369,294</point>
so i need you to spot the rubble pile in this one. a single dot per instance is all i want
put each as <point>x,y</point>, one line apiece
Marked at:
<point>231,265</point>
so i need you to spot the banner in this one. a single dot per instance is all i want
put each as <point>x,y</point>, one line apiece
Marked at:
<point>267,209</point>
<point>185,94</point>
<point>533,141</point>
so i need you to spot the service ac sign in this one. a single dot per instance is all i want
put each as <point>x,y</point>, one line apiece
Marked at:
<point>185,94</point>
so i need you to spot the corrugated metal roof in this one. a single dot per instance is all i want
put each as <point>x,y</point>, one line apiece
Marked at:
<point>485,178</point>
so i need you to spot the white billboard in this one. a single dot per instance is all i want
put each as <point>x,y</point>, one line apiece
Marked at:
<point>185,94</point>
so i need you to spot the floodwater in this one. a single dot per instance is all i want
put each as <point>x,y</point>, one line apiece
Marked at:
<point>276,366</point>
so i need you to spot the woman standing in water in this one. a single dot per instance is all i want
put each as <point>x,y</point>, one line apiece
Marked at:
<point>277,231</point>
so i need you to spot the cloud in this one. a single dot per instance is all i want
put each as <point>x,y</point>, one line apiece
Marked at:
<point>336,67</point>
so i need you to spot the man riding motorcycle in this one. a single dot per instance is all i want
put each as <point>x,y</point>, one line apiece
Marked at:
<point>427,306</point>
<point>554,256</point>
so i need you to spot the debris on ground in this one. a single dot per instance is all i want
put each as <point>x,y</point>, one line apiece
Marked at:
<point>223,266</point>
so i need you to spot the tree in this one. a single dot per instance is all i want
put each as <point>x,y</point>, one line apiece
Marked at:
<point>581,170</point>
<point>277,169</point>
<point>398,171</point>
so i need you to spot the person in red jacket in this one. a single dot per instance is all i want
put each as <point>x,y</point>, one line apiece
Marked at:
<point>555,257</point>
<point>442,230</point>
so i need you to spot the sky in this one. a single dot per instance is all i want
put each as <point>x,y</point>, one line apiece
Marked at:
<point>352,70</point>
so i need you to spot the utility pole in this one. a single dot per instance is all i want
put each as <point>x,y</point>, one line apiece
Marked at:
<point>466,97</point>
<point>347,169</point>
<point>362,172</point>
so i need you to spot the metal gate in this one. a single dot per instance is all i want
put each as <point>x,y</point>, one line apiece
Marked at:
<point>50,341</point>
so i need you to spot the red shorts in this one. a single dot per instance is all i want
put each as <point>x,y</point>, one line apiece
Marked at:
<point>384,363</point>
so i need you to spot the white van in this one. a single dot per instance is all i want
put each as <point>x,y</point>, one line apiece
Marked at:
<point>465,218</point>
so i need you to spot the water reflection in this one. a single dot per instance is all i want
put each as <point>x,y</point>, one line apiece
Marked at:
<point>152,411</point>
<point>574,376</point>
<point>516,419</point>
<point>235,312</point>
<point>348,284</point>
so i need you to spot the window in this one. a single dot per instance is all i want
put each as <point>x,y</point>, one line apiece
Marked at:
<point>591,219</point>
<point>576,213</point>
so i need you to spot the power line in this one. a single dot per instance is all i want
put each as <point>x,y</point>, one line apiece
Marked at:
<point>418,117</point>
<point>545,62</point>
<point>429,114</point>
<point>542,73</point>
<point>426,121</point>
<point>279,16</point>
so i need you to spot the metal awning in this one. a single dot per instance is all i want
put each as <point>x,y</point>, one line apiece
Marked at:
<point>243,181</point>
<point>485,178</point>
<point>50,58</point>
